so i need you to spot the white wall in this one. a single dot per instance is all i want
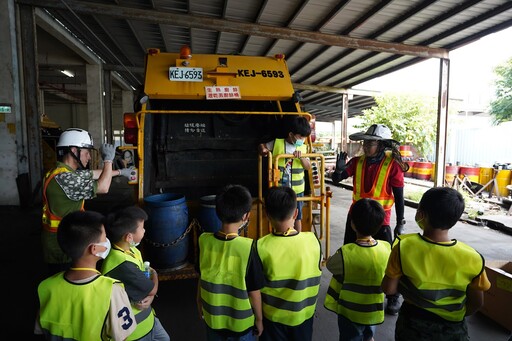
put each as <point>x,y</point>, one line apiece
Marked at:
<point>478,143</point>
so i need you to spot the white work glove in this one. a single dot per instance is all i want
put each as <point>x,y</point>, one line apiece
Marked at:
<point>129,173</point>
<point>108,152</point>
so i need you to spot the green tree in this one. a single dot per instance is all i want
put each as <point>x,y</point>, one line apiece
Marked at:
<point>501,107</point>
<point>412,119</point>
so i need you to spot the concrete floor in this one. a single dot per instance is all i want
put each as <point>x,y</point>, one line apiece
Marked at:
<point>175,305</point>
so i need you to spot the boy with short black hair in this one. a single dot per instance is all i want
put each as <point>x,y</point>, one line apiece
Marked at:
<point>292,170</point>
<point>80,303</point>
<point>442,279</point>
<point>228,292</point>
<point>357,270</point>
<point>125,228</point>
<point>291,265</point>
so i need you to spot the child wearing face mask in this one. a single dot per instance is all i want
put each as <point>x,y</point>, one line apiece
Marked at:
<point>125,228</point>
<point>80,303</point>
<point>231,275</point>
<point>292,170</point>
<point>442,279</point>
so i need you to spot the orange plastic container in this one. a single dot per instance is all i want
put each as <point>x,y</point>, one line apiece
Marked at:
<point>450,173</point>
<point>411,169</point>
<point>422,170</point>
<point>472,173</point>
<point>405,151</point>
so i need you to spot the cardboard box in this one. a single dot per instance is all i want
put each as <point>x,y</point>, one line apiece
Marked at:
<point>498,299</point>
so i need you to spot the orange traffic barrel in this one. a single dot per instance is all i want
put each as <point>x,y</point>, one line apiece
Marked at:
<point>503,178</point>
<point>472,173</point>
<point>450,173</point>
<point>405,151</point>
<point>410,170</point>
<point>422,170</point>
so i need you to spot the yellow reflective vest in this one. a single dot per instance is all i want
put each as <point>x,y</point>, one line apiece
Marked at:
<point>75,323</point>
<point>436,276</point>
<point>145,318</point>
<point>297,171</point>
<point>291,265</point>
<point>223,266</point>
<point>359,296</point>
<point>378,190</point>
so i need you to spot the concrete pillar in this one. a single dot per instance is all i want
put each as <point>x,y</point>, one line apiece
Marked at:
<point>127,99</point>
<point>95,112</point>
<point>11,129</point>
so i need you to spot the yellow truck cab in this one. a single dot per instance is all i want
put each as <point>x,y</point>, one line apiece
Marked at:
<point>197,128</point>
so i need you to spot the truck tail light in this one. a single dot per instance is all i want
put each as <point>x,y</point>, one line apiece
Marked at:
<point>130,128</point>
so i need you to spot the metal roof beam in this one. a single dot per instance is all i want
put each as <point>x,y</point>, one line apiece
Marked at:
<point>202,22</point>
<point>331,89</point>
<point>294,16</point>
<point>357,23</point>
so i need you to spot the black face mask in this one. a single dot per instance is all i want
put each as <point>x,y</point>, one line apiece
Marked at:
<point>377,158</point>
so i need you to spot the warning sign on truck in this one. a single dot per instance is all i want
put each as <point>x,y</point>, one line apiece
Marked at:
<point>222,92</point>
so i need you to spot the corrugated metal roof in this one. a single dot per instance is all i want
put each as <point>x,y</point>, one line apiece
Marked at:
<point>120,31</point>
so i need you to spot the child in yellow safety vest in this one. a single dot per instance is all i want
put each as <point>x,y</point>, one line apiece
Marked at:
<point>441,279</point>
<point>228,292</point>
<point>125,228</point>
<point>291,265</point>
<point>80,303</point>
<point>292,170</point>
<point>357,270</point>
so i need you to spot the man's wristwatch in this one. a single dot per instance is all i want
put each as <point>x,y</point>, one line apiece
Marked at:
<point>401,222</point>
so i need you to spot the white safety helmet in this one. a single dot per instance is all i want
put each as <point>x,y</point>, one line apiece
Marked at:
<point>75,137</point>
<point>375,132</point>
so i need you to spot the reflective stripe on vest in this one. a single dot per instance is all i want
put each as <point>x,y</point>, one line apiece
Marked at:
<point>297,170</point>
<point>89,299</point>
<point>433,287</point>
<point>360,298</point>
<point>292,271</point>
<point>145,318</point>
<point>51,221</point>
<point>223,266</point>
<point>378,190</point>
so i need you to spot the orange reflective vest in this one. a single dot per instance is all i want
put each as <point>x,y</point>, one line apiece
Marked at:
<point>378,191</point>
<point>51,221</point>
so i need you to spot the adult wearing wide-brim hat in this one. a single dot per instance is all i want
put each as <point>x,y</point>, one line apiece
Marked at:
<point>377,174</point>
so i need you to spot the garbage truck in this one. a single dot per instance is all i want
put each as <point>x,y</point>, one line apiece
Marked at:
<point>195,128</point>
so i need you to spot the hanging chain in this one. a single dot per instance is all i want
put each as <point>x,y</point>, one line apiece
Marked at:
<point>194,223</point>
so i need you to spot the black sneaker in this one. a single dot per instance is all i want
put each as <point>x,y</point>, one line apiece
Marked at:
<point>393,305</point>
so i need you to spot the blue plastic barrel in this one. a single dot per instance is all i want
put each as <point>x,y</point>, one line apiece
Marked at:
<point>207,216</point>
<point>167,222</point>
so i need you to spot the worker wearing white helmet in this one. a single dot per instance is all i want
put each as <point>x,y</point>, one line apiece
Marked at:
<point>67,186</point>
<point>380,176</point>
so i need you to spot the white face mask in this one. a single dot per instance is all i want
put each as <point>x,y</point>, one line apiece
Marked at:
<point>105,253</point>
<point>134,244</point>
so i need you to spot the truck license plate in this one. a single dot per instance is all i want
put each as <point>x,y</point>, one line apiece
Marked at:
<point>186,74</point>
